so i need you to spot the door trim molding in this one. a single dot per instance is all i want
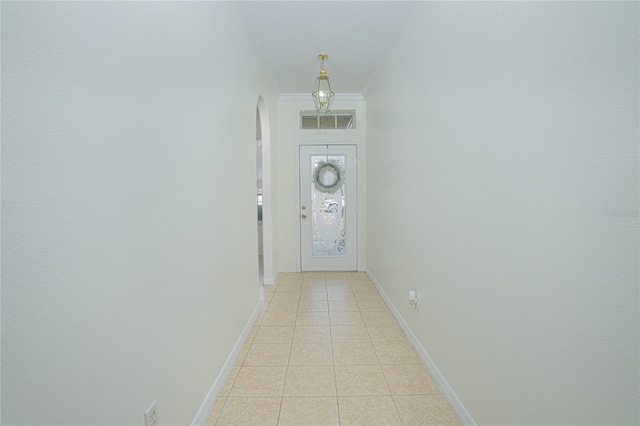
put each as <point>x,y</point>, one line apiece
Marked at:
<point>359,244</point>
<point>268,264</point>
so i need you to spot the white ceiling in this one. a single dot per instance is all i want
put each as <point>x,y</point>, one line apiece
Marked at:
<point>355,34</point>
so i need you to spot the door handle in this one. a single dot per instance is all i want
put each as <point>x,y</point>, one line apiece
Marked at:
<point>304,207</point>
<point>304,216</point>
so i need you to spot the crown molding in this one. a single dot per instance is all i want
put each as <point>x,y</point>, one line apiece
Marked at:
<point>339,97</point>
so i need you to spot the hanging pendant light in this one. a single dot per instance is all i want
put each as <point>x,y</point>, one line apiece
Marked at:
<point>322,93</point>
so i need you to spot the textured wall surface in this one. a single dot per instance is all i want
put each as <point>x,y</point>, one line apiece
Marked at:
<point>502,176</point>
<point>129,249</point>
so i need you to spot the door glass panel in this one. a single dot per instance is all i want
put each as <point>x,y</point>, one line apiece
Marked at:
<point>328,205</point>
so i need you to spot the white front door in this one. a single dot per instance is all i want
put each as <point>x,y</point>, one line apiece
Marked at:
<point>328,216</point>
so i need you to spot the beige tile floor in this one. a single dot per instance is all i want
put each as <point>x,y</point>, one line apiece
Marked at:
<point>326,350</point>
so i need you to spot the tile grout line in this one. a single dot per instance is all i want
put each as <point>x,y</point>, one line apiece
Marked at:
<point>250,343</point>
<point>381,369</point>
<point>296,323</point>
<point>333,359</point>
<point>286,372</point>
<point>285,377</point>
<point>334,363</point>
<point>385,376</point>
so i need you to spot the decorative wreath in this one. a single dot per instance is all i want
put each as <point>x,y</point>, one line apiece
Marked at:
<point>328,176</point>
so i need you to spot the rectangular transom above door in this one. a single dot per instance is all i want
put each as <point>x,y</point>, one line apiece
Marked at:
<point>328,200</point>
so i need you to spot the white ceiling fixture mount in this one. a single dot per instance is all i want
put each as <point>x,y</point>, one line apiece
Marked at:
<point>322,93</point>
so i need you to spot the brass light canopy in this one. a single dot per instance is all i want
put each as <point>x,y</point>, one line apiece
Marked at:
<point>322,93</point>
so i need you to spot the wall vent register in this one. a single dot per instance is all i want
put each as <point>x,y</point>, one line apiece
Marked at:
<point>312,120</point>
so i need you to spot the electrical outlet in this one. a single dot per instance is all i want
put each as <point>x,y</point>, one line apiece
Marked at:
<point>151,415</point>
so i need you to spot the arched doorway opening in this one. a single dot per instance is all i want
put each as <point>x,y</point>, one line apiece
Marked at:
<point>263,194</point>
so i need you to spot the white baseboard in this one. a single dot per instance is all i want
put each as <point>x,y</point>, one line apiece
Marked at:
<point>436,375</point>
<point>271,281</point>
<point>207,404</point>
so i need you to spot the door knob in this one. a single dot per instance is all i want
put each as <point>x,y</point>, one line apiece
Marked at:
<point>304,207</point>
<point>304,216</point>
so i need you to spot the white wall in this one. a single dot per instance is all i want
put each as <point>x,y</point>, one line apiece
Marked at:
<point>502,158</point>
<point>129,250</point>
<point>290,137</point>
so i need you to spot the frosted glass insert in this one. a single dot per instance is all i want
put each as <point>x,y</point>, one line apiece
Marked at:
<point>328,206</point>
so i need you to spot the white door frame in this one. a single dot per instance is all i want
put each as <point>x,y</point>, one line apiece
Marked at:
<point>355,202</point>
<point>270,274</point>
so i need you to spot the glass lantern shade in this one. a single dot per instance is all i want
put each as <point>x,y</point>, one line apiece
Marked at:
<point>322,94</point>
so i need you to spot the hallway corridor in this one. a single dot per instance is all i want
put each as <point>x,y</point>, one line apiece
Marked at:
<point>326,350</point>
